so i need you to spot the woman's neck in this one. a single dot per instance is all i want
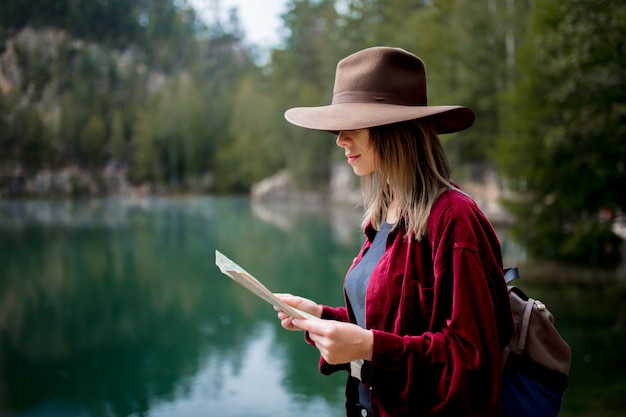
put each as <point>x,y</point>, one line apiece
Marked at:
<point>393,213</point>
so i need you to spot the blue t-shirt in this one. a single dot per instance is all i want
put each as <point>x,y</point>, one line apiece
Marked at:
<point>356,287</point>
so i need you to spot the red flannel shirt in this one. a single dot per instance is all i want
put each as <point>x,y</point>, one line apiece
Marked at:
<point>440,314</point>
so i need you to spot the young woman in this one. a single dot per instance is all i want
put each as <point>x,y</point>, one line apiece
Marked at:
<point>427,311</point>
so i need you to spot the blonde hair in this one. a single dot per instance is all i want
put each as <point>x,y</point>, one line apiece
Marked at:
<point>412,171</point>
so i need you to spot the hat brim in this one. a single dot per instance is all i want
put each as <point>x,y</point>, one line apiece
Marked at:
<point>351,116</point>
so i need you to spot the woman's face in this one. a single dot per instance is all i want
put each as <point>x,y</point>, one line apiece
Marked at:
<point>356,145</point>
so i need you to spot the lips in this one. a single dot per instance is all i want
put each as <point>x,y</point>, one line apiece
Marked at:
<point>352,158</point>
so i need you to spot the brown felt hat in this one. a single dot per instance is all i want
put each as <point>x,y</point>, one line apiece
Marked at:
<point>379,86</point>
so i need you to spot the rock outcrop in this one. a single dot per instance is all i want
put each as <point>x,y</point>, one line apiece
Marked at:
<point>485,187</point>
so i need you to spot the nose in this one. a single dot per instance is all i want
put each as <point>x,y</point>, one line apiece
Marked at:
<point>342,139</point>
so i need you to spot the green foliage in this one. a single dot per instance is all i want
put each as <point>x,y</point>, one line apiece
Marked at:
<point>115,23</point>
<point>144,84</point>
<point>120,86</point>
<point>119,149</point>
<point>92,140</point>
<point>170,135</point>
<point>565,148</point>
<point>303,75</point>
<point>253,151</point>
<point>23,137</point>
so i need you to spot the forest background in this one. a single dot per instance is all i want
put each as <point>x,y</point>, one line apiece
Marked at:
<point>143,94</point>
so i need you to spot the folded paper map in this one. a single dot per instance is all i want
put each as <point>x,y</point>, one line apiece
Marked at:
<point>242,277</point>
<point>246,280</point>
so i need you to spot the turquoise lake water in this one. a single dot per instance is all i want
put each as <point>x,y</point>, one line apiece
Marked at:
<point>115,308</point>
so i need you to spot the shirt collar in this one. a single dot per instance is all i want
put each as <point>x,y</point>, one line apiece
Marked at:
<point>370,232</point>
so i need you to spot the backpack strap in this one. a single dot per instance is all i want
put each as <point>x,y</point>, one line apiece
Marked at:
<point>528,308</point>
<point>510,274</point>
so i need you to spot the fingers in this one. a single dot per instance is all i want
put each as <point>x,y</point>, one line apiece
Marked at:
<point>286,321</point>
<point>318,332</point>
<point>305,324</point>
<point>283,295</point>
<point>312,326</point>
<point>337,342</point>
<point>288,298</point>
<point>303,304</point>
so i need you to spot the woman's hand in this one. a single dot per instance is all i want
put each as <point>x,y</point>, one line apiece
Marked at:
<point>302,304</point>
<point>338,342</point>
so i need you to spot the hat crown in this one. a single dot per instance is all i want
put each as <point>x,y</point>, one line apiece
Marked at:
<point>379,86</point>
<point>381,75</point>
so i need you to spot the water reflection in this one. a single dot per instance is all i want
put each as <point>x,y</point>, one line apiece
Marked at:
<point>251,384</point>
<point>115,308</point>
